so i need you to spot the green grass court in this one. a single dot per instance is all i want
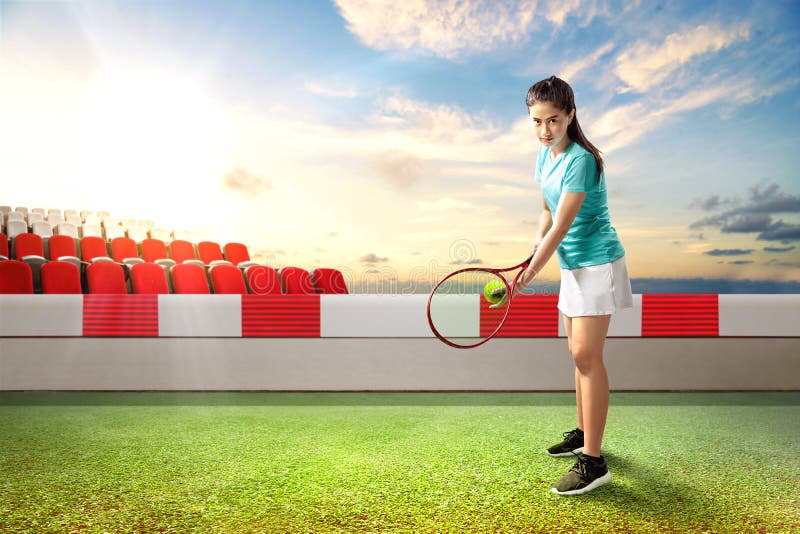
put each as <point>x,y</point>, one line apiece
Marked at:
<point>392,462</point>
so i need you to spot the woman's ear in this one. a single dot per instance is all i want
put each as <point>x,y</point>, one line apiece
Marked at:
<point>571,116</point>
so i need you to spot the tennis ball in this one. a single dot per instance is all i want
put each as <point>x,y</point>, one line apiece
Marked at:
<point>494,291</point>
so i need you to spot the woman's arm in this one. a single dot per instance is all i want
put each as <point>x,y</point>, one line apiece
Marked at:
<point>551,232</point>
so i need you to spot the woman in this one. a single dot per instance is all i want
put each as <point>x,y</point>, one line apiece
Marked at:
<point>594,280</point>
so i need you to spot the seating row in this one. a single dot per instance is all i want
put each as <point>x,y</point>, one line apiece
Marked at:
<point>76,225</point>
<point>30,247</point>
<point>62,277</point>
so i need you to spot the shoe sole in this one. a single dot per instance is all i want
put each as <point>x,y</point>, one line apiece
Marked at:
<point>605,479</point>
<point>574,452</point>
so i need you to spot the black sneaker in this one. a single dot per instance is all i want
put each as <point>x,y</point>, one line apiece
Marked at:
<point>586,475</point>
<point>571,446</point>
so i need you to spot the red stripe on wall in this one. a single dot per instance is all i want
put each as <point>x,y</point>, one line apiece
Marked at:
<point>120,315</point>
<point>280,316</point>
<point>680,315</point>
<point>529,316</point>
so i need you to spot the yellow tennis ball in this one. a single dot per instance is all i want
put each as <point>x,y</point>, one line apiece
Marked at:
<point>494,291</point>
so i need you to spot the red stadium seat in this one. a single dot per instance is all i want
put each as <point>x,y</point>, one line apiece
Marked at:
<point>15,277</point>
<point>93,249</point>
<point>28,246</point>
<point>3,246</point>
<point>329,281</point>
<point>182,251</point>
<point>189,279</point>
<point>296,281</point>
<point>106,278</point>
<point>62,248</point>
<point>149,279</point>
<point>237,254</point>
<point>155,251</point>
<point>123,250</point>
<point>210,253</point>
<point>227,279</point>
<point>61,277</point>
<point>262,280</point>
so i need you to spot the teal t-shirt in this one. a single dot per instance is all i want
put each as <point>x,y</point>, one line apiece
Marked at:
<point>591,240</point>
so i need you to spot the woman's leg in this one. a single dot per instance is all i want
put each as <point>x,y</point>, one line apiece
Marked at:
<point>588,335</point>
<point>568,328</point>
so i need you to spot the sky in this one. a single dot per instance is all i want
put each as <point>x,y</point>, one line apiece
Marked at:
<point>391,139</point>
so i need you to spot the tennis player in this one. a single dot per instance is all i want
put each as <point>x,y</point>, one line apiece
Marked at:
<point>575,223</point>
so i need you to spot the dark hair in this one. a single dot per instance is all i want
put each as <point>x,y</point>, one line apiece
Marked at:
<point>559,93</point>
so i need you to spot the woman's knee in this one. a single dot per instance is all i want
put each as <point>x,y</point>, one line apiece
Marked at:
<point>586,358</point>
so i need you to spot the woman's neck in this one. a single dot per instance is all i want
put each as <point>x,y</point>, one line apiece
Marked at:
<point>556,151</point>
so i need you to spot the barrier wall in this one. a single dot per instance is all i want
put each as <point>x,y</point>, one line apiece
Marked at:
<point>383,342</point>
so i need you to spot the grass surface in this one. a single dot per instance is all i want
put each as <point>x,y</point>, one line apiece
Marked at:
<point>360,462</point>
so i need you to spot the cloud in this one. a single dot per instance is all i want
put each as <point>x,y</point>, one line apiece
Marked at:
<point>729,252</point>
<point>747,223</point>
<point>754,214</point>
<point>245,183</point>
<point>780,231</point>
<point>779,249</point>
<point>451,30</point>
<point>399,169</point>
<point>372,258</point>
<point>570,71</point>
<point>644,65</point>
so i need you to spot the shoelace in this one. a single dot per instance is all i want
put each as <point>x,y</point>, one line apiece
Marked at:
<point>580,468</point>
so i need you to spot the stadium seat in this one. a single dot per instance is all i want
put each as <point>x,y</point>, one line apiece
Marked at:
<point>149,279</point>
<point>329,281</point>
<point>123,250</point>
<point>42,228</point>
<point>62,248</point>
<point>210,253</point>
<point>227,279</point>
<point>54,218</point>
<point>101,214</point>
<point>28,246</point>
<point>70,213</point>
<point>3,246</point>
<point>112,232</point>
<point>160,233</point>
<point>183,252</point>
<point>296,281</point>
<point>91,230</point>
<point>91,219</point>
<point>5,210</point>
<point>67,228</point>
<point>155,251</point>
<point>74,220</point>
<point>237,254</point>
<point>146,223</point>
<point>137,233</point>
<point>189,279</point>
<point>86,213</point>
<point>93,249</point>
<point>262,280</point>
<point>54,211</point>
<point>14,227</point>
<point>34,217</point>
<point>15,216</point>
<point>106,278</point>
<point>15,277</point>
<point>61,277</point>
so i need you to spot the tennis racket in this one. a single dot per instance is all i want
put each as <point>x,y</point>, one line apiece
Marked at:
<point>460,311</point>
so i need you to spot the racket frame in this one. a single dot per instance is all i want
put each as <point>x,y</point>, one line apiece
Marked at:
<point>509,291</point>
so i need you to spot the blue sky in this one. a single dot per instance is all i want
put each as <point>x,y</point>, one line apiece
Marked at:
<point>392,141</point>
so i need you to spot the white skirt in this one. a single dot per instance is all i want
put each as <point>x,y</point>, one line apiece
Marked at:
<point>595,290</point>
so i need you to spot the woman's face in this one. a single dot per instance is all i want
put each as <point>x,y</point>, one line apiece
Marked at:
<point>550,124</point>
